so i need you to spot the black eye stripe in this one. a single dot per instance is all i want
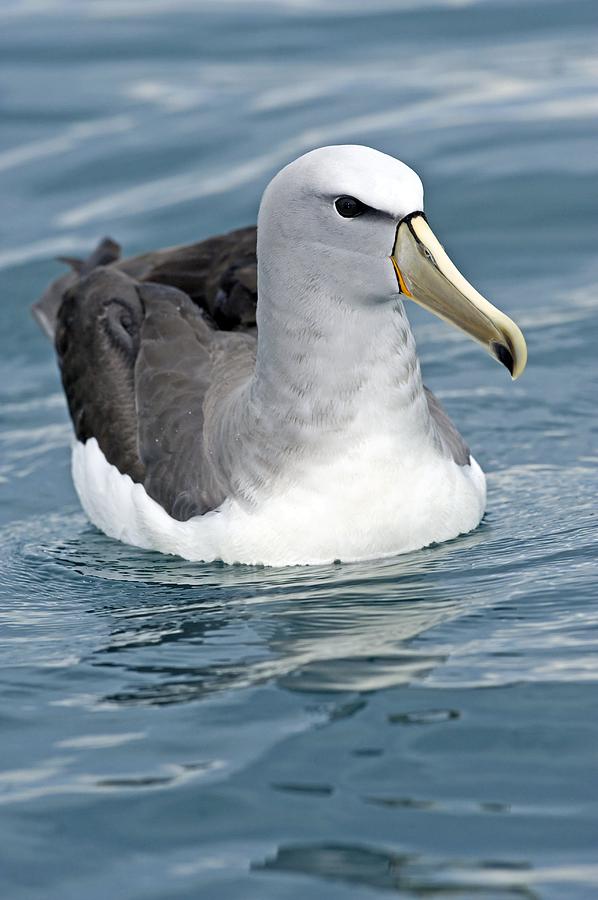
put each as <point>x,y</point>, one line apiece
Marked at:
<point>349,207</point>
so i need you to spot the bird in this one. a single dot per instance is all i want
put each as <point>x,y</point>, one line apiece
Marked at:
<point>256,397</point>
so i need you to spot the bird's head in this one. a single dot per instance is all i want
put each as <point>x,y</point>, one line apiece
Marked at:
<point>348,221</point>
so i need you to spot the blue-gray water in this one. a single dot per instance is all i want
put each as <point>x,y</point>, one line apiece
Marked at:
<point>424,726</point>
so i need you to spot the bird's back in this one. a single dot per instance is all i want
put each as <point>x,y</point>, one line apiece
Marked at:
<point>141,359</point>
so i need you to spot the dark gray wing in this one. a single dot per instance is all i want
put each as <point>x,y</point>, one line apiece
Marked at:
<point>218,274</point>
<point>448,435</point>
<point>136,363</point>
<point>173,373</point>
<point>136,357</point>
<point>97,341</point>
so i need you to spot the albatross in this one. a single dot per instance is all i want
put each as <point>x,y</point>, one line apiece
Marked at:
<point>274,412</point>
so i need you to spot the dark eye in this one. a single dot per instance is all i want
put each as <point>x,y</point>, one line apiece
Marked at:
<point>349,207</point>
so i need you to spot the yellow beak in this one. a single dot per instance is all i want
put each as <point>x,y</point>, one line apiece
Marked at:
<point>426,274</point>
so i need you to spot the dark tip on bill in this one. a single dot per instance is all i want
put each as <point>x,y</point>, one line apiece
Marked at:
<point>503,355</point>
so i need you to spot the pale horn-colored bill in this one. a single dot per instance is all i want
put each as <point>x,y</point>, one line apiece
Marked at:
<point>426,274</point>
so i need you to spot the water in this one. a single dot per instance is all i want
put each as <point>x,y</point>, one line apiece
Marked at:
<point>424,726</point>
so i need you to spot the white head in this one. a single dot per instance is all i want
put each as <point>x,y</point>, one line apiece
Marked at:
<point>304,219</point>
<point>342,228</point>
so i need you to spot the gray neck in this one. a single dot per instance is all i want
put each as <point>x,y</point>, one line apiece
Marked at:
<point>330,375</point>
<point>328,369</point>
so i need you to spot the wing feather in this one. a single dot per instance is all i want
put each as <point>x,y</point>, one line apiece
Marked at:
<point>138,342</point>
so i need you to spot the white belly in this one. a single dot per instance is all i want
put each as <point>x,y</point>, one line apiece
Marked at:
<point>365,506</point>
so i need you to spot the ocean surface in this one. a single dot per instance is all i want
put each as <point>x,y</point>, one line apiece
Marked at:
<point>424,726</point>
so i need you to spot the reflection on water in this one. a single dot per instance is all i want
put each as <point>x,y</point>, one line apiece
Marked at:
<point>330,628</point>
<point>334,635</point>
<point>408,874</point>
<point>334,628</point>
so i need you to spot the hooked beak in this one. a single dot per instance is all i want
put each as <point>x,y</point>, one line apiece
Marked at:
<point>426,274</point>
